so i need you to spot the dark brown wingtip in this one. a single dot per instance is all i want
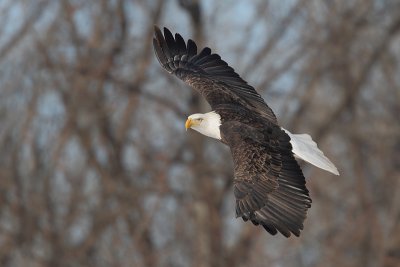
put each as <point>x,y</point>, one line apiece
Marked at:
<point>167,32</point>
<point>161,48</point>
<point>158,34</point>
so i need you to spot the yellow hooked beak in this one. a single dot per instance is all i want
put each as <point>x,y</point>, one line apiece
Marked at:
<point>189,123</point>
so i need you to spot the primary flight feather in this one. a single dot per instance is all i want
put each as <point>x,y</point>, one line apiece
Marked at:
<point>269,186</point>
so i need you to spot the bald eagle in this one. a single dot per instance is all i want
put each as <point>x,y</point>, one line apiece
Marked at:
<point>269,186</point>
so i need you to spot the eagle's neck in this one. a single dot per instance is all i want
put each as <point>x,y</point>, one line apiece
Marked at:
<point>210,125</point>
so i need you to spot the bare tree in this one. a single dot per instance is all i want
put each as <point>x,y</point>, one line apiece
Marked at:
<point>97,170</point>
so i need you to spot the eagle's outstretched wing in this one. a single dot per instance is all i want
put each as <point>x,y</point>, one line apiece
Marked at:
<point>269,185</point>
<point>207,73</point>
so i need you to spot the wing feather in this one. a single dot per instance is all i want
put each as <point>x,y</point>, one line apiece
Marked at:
<point>191,48</point>
<point>197,59</point>
<point>181,45</point>
<point>207,73</point>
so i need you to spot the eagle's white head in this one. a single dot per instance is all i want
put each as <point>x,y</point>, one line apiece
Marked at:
<point>207,124</point>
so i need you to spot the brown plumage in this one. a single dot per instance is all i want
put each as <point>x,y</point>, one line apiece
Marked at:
<point>269,185</point>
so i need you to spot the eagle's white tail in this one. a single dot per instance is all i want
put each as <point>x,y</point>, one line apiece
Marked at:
<point>306,149</point>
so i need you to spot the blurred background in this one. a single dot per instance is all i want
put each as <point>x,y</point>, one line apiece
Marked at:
<point>96,168</point>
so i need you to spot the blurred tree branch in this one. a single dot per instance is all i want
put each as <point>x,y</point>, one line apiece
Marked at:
<point>96,169</point>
